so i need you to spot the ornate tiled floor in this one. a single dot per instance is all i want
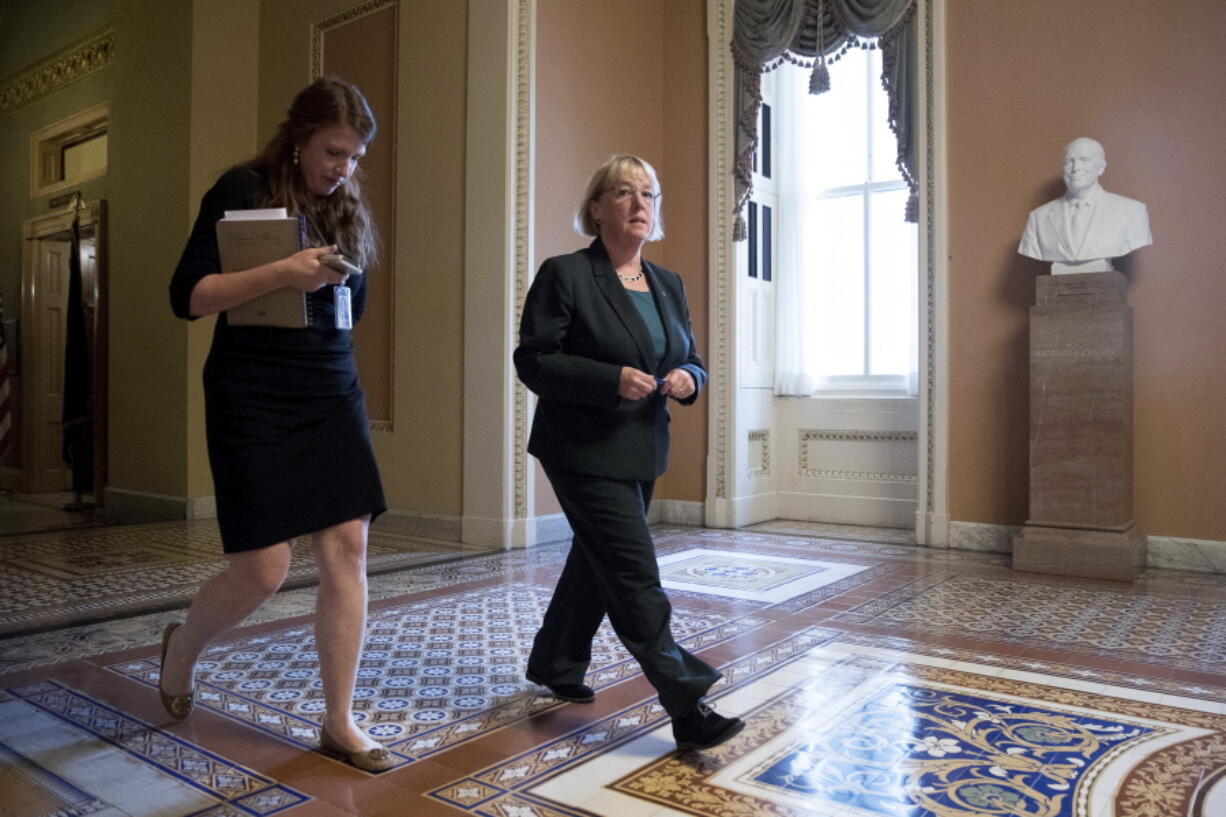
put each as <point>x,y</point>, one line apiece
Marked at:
<point>66,577</point>
<point>876,679</point>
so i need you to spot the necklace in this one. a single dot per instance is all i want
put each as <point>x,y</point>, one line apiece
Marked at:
<point>630,279</point>
<point>315,227</point>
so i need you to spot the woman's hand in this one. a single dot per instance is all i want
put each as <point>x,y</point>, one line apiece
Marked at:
<point>678,384</point>
<point>306,273</point>
<point>634,384</point>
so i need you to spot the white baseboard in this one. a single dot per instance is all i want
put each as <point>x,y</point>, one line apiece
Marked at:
<point>12,479</point>
<point>741,511</point>
<point>982,537</point>
<point>202,507</point>
<point>513,533</point>
<point>932,529</point>
<point>552,528</point>
<point>847,510</point>
<point>1173,552</point>
<point>676,512</point>
<point>1177,553</point>
<point>443,527</point>
<point>133,507</point>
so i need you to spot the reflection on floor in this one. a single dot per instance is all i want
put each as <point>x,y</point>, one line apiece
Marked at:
<point>68,577</point>
<point>876,679</point>
<point>30,513</point>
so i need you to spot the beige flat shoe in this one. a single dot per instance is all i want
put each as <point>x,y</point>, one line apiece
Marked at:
<point>177,706</point>
<point>368,760</point>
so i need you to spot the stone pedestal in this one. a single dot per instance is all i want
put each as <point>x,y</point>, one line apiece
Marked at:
<point>1092,553</point>
<point>1080,521</point>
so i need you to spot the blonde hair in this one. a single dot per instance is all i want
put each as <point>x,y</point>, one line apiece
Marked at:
<point>617,169</point>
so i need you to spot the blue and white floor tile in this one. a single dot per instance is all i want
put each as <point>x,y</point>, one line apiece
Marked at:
<point>876,680</point>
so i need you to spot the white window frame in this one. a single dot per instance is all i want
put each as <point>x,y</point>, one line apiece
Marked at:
<point>863,384</point>
<point>726,504</point>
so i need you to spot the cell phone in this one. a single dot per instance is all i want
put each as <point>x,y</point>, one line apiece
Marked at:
<point>340,264</point>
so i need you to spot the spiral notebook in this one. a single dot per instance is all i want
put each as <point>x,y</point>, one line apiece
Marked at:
<point>251,238</point>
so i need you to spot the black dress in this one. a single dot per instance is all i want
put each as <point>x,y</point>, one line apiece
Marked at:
<point>285,417</point>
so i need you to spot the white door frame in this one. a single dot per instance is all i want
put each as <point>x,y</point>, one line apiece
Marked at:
<point>726,456</point>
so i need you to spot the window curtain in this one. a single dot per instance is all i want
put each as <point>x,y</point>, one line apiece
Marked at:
<point>795,334</point>
<point>815,33</point>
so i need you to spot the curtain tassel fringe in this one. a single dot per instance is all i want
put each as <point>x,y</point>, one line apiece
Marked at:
<point>819,80</point>
<point>740,231</point>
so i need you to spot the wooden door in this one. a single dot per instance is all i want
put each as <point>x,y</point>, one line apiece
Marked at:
<point>43,332</point>
<point>44,365</point>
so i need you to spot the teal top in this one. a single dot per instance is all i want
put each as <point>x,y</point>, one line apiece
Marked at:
<point>646,305</point>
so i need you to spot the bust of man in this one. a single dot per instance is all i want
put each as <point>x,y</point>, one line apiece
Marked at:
<point>1086,227</point>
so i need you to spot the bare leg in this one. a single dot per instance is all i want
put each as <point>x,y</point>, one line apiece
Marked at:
<point>340,625</point>
<point>222,604</point>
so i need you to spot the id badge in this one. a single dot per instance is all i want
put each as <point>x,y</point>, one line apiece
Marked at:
<point>342,300</point>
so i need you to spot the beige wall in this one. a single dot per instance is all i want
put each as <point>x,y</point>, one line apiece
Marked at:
<point>422,467</point>
<point>225,50</point>
<point>684,172</point>
<point>628,76</point>
<point>420,459</point>
<point>150,205</point>
<point>198,87</point>
<point>1147,80</point>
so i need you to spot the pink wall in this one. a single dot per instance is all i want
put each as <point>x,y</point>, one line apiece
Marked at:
<point>628,76</point>
<point>1147,80</point>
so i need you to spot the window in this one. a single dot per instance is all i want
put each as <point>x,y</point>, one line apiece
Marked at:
<point>758,211</point>
<point>844,236</point>
<point>69,152</point>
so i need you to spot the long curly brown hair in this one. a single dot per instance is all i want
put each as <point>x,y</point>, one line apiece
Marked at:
<point>345,215</point>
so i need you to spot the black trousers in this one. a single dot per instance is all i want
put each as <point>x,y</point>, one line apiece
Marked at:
<point>612,569</point>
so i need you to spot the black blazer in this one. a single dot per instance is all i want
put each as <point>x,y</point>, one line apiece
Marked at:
<point>579,328</point>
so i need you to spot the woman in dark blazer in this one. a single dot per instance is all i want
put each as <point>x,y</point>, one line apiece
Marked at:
<point>604,342</point>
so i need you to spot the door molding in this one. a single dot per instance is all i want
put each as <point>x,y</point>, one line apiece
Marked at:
<point>57,226</point>
<point>733,418</point>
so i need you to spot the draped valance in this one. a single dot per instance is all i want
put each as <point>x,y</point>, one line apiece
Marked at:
<point>815,33</point>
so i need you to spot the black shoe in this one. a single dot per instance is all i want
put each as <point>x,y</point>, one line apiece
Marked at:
<point>702,727</point>
<point>575,693</point>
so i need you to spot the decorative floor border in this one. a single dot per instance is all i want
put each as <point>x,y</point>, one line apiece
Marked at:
<point>239,789</point>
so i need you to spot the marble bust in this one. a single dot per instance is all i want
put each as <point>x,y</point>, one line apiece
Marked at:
<point>1086,227</point>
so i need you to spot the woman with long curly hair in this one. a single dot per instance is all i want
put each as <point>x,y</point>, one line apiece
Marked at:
<point>286,425</point>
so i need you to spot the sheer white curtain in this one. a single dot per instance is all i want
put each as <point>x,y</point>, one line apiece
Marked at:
<point>795,341</point>
<point>844,321</point>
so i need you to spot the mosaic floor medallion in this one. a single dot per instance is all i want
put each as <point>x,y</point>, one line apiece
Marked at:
<point>847,730</point>
<point>784,574</point>
<point>751,576</point>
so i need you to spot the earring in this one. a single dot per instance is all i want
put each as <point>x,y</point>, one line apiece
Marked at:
<point>295,155</point>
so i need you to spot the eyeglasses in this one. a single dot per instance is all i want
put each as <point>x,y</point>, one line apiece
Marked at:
<point>622,193</point>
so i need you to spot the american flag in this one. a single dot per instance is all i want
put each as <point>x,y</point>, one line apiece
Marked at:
<point>6,392</point>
